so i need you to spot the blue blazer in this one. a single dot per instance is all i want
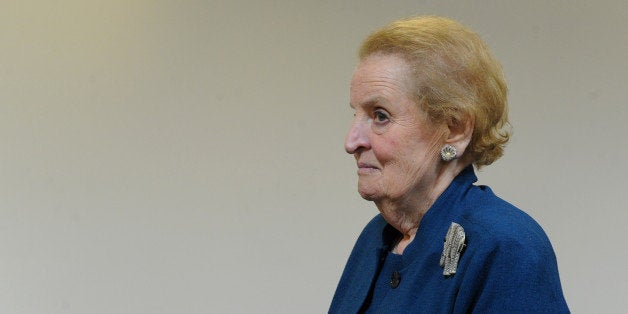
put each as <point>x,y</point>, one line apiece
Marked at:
<point>507,266</point>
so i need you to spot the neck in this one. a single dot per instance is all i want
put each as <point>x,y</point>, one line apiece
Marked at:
<point>405,213</point>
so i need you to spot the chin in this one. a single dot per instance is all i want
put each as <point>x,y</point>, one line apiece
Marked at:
<point>371,190</point>
<point>368,195</point>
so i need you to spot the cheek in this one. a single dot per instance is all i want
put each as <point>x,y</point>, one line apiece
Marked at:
<point>406,157</point>
<point>385,150</point>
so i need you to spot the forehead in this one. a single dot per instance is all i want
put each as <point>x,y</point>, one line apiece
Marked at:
<point>380,75</point>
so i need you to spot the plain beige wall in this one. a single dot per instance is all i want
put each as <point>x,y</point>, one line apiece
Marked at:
<point>186,156</point>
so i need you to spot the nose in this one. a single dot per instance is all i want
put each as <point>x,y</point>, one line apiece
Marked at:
<point>357,138</point>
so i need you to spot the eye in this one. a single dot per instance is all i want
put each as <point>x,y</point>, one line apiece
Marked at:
<point>381,121</point>
<point>380,116</point>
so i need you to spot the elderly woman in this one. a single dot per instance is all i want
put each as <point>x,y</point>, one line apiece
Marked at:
<point>430,103</point>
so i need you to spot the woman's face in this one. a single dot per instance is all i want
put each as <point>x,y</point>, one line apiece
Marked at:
<point>395,146</point>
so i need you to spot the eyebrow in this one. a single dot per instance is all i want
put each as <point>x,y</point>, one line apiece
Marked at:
<point>369,103</point>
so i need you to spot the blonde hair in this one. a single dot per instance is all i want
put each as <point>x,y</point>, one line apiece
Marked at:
<point>455,75</point>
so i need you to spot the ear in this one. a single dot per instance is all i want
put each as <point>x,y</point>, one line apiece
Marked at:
<point>460,132</point>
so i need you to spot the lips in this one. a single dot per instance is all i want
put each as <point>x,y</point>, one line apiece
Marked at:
<point>366,167</point>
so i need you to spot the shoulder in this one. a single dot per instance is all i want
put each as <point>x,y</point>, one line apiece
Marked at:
<point>508,254</point>
<point>492,221</point>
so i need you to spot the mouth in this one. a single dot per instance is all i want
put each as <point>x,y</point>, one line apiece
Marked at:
<point>364,168</point>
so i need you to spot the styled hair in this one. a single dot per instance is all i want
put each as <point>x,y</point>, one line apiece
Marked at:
<point>455,76</point>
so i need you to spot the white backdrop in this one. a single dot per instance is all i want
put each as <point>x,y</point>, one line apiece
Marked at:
<point>187,157</point>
